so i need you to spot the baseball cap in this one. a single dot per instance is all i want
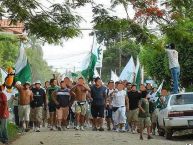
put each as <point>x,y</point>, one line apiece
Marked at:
<point>27,83</point>
<point>38,82</point>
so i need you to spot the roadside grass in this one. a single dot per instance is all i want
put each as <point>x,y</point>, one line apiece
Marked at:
<point>12,131</point>
<point>189,88</point>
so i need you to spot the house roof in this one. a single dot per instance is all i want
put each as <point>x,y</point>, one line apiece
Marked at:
<point>6,26</point>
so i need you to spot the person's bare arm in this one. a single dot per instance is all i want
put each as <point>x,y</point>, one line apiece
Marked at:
<point>141,107</point>
<point>72,92</point>
<point>87,88</point>
<point>31,97</point>
<point>18,86</point>
<point>127,103</point>
<point>54,95</point>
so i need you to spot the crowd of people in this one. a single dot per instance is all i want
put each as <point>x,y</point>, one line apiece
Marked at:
<point>116,106</point>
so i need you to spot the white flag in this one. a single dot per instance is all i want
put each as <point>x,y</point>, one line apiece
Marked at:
<point>128,72</point>
<point>3,75</point>
<point>114,76</point>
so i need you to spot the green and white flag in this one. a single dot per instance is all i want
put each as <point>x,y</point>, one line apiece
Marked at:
<point>158,92</point>
<point>138,74</point>
<point>22,67</point>
<point>90,61</point>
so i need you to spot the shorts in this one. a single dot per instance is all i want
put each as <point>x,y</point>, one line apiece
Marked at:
<point>36,114</point>
<point>119,116</point>
<point>109,113</point>
<point>144,122</point>
<point>154,116</point>
<point>81,109</point>
<point>52,107</point>
<point>133,115</point>
<point>24,112</point>
<point>62,113</point>
<point>45,114</point>
<point>97,111</point>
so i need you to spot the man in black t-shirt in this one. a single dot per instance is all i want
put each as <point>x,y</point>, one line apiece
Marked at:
<point>134,97</point>
<point>39,101</point>
<point>98,94</point>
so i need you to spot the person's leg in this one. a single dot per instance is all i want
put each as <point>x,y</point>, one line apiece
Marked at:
<point>101,109</point>
<point>65,116</point>
<point>175,78</point>
<point>27,117</point>
<point>94,115</point>
<point>16,115</point>
<point>148,125</point>
<point>59,114</point>
<point>39,113</point>
<point>122,118</point>
<point>141,126</point>
<point>4,133</point>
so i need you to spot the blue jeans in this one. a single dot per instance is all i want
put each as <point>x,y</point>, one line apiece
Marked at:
<point>175,77</point>
<point>3,130</point>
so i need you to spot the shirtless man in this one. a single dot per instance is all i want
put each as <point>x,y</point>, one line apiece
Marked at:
<point>79,92</point>
<point>25,97</point>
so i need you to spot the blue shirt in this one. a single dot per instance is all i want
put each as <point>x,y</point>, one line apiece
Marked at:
<point>98,95</point>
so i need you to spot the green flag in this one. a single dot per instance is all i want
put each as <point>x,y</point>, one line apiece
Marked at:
<point>89,63</point>
<point>138,74</point>
<point>22,67</point>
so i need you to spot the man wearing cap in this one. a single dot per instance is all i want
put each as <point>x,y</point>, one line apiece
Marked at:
<point>25,97</point>
<point>79,92</point>
<point>39,101</point>
<point>134,97</point>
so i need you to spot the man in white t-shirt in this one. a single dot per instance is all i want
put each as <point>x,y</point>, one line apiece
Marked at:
<point>120,105</point>
<point>174,66</point>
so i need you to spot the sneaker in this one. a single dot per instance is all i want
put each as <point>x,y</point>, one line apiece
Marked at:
<point>153,132</point>
<point>27,129</point>
<point>149,137</point>
<point>101,129</point>
<point>123,130</point>
<point>82,128</point>
<point>108,129</point>
<point>141,137</point>
<point>5,142</point>
<point>68,127</point>
<point>38,130</point>
<point>59,129</point>
<point>94,129</point>
<point>77,128</point>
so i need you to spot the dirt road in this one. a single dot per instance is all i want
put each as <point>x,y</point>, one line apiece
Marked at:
<point>71,137</point>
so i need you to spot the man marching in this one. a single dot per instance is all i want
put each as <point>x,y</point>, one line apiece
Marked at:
<point>62,99</point>
<point>79,92</point>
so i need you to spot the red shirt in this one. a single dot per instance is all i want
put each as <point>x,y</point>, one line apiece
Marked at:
<point>3,111</point>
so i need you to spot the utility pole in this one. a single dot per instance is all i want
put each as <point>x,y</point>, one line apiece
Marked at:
<point>120,52</point>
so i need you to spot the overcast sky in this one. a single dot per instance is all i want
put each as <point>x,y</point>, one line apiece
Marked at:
<point>73,51</point>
